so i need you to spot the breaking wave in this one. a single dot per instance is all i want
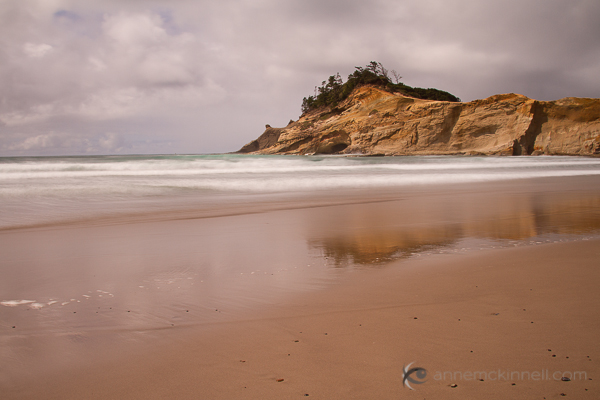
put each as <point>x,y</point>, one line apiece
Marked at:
<point>33,189</point>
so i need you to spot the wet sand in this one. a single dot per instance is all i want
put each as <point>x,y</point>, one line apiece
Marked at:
<point>330,301</point>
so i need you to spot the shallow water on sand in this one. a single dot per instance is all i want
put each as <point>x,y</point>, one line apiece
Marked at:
<point>154,274</point>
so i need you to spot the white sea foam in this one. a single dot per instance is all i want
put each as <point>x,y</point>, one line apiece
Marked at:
<point>40,189</point>
<point>302,183</point>
<point>271,166</point>
<point>14,303</point>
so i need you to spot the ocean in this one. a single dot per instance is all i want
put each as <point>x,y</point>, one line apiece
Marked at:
<point>42,190</point>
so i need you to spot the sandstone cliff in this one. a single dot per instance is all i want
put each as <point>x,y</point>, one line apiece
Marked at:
<point>375,122</point>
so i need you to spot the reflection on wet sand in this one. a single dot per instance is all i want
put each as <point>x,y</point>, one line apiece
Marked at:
<point>378,247</point>
<point>377,233</point>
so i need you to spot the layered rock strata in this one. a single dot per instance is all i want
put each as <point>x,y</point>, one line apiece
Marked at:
<point>375,122</point>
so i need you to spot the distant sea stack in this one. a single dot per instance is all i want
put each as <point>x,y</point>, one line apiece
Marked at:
<point>375,121</point>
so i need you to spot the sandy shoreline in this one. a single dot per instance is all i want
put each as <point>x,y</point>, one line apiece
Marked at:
<point>334,297</point>
<point>525,309</point>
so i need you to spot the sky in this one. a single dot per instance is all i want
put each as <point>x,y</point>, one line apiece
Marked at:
<point>195,77</point>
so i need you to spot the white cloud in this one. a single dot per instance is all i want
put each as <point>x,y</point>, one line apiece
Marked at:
<point>110,142</point>
<point>135,30</point>
<point>36,50</point>
<point>36,142</point>
<point>53,142</point>
<point>110,103</point>
<point>96,64</point>
<point>139,44</point>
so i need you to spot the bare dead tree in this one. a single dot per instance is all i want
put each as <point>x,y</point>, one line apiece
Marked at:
<point>383,71</point>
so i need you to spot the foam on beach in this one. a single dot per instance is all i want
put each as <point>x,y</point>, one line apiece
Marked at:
<point>48,189</point>
<point>14,303</point>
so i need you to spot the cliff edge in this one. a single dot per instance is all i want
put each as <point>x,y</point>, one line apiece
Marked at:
<point>372,121</point>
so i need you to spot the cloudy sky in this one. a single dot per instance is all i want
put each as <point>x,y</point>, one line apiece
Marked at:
<point>183,76</point>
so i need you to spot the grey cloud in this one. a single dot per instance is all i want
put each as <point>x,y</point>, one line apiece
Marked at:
<point>54,142</point>
<point>200,76</point>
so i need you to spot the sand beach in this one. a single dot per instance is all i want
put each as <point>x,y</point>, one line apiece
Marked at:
<point>490,287</point>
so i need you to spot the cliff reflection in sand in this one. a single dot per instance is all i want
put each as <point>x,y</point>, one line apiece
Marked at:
<point>380,232</point>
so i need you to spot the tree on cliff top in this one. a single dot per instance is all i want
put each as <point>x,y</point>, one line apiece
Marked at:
<point>334,90</point>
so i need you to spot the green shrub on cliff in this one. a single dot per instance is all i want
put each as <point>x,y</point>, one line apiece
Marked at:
<point>334,90</point>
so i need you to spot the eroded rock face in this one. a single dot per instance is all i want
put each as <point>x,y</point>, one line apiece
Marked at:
<point>374,122</point>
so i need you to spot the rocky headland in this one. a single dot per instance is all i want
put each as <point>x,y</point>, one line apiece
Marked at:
<point>374,121</point>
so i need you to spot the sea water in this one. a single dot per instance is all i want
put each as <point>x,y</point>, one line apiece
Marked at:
<point>38,190</point>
